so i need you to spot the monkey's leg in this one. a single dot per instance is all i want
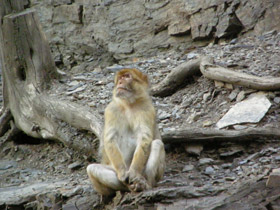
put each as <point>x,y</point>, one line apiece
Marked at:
<point>104,179</point>
<point>156,163</point>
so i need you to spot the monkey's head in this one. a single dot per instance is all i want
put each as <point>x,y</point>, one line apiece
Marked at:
<point>130,85</point>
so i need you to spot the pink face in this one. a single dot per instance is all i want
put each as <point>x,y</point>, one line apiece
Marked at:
<point>124,82</point>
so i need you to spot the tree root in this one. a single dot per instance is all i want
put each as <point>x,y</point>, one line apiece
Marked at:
<point>208,135</point>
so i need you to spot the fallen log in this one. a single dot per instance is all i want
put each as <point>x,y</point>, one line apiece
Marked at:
<point>203,135</point>
<point>214,72</point>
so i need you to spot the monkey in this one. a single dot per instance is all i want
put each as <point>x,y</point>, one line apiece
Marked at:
<point>132,151</point>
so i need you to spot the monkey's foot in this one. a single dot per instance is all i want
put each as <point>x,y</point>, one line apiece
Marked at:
<point>139,184</point>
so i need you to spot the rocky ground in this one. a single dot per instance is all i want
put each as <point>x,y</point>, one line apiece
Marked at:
<point>46,175</point>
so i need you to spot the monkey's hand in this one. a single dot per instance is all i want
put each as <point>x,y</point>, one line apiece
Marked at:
<point>123,176</point>
<point>136,182</point>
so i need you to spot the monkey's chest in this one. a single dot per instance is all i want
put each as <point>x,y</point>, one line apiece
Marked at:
<point>127,145</point>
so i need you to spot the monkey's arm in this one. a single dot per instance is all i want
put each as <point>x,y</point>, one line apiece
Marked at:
<point>144,140</point>
<point>135,178</point>
<point>111,147</point>
<point>114,155</point>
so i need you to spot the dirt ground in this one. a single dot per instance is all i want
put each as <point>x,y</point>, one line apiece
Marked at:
<point>223,175</point>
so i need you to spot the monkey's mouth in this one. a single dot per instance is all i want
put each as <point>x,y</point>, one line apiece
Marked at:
<point>123,88</point>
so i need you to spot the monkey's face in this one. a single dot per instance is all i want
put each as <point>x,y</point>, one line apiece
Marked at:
<point>124,87</point>
<point>130,85</point>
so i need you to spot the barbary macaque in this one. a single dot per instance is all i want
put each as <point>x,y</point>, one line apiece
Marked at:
<point>133,155</point>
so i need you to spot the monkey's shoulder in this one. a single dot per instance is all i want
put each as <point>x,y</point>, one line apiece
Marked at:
<point>112,107</point>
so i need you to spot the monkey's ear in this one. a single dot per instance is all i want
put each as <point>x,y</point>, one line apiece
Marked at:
<point>116,78</point>
<point>145,79</point>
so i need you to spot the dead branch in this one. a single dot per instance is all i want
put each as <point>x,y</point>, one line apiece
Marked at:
<point>219,73</point>
<point>176,78</point>
<point>208,135</point>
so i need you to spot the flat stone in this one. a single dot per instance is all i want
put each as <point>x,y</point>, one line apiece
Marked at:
<point>114,68</point>
<point>204,161</point>
<point>71,192</point>
<point>230,178</point>
<point>206,96</point>
<point>229,86</point>
<point>276,100</point>
<point>240,127</point>
<point>209,170</point>
<point>6,164</point>
<point>232,95</point>
<point>74,83</point>
<point>194,149</point>
<point>240,96</point>
<point>226,165</point>
<point>251,110</point>
<point>277,158</point>
<point>188,168</point>
<point>75,165</point>
<point>5,167</point>
<point>231,153</point>
<point>264,159</point>
<point>192,55</point>
<point>219,84</point>
<point>207,123</point>
<point>163,115</point>
<point>274,178</point>
<point>79,89</point>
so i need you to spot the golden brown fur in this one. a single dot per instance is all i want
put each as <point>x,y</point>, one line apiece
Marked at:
<point>133,155</point>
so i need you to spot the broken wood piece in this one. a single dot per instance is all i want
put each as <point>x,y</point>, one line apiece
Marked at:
<point>209,135</point>
<point>176,78</point>
<point>214,72</point>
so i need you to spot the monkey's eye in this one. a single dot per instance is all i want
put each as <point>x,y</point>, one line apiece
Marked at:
<point>126,75</point>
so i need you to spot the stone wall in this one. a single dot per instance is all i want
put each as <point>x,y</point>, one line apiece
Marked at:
<point>87,33</point>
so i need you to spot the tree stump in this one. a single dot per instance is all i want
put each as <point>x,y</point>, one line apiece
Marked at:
<point>28,72</point>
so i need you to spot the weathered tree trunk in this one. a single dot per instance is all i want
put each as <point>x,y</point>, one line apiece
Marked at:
<point>28,73</point>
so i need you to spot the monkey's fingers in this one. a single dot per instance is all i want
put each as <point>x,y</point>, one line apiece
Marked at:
<point>136,187</point>
<point>139,185</point>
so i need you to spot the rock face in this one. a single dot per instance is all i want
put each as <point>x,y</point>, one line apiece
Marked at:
<point>84,33</point>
